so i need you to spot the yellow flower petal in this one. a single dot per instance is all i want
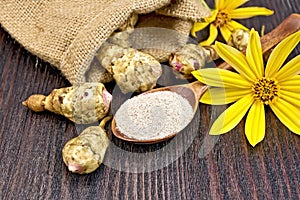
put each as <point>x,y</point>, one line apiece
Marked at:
<point>235,25</point>
<point>293,97</point>
<point>292,68</point>
<point>236,59</point>
<point>231,116</point>
<point>255,125</point>
<point>226,32</point>
<point>198,26</point>
<point>291,84</point>
<point>221,78</point>
<point>213,16</point>
<point>233,4</point>
<point>220,96</point>
<point>290,90</point>
<point>288,114</point>
<point>243,13</point>
<point>280,53</point>
<point>220,4</point>
<point>254,54</point>
<point>213,33</point>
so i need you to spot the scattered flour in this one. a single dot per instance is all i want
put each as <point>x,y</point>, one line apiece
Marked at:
<point>153,115</point>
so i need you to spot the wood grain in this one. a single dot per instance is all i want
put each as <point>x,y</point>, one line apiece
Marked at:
<point>31,166</point>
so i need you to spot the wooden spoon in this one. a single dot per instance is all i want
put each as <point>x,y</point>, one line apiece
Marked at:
<point>193,91</point>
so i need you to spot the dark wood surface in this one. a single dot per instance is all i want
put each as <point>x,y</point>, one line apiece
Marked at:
<point>224,167</point>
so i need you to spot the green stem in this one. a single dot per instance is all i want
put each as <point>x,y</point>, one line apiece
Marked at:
<point>262,32</point>
<point>205,4</point>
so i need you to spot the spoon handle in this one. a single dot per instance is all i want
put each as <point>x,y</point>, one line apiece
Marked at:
<point>289,26</point>
<point>198,88</point>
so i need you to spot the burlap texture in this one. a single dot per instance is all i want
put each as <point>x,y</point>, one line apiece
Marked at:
<point>68,33</point>
<point>162,42</point>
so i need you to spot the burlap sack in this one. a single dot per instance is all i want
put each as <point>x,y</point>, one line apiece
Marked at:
<point>68,33</point>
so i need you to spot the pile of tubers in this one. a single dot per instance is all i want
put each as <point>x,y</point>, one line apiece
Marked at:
<point>133,71</point>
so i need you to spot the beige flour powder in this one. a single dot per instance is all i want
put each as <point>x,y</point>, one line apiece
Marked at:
<point>153,115</point>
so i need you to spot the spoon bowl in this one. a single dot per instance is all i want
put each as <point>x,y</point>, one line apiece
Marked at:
<point>193,91</point>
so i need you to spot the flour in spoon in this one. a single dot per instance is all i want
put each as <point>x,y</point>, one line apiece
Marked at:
<point>153,115</point>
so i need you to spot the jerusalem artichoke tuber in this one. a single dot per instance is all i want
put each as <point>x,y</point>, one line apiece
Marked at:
<point>83,104</point>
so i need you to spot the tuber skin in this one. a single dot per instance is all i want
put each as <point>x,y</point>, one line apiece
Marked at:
<point>83,104</point>
<point>133,70</point>
<point>85,153</point>
<point>35,102</point>
<point>239,39</point>
<point>191,57</point>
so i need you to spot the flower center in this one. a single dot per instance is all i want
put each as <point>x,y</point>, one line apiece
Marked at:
<point>265,90</point>
<point>221,19</point>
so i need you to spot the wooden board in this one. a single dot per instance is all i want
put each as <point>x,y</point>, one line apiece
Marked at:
<point>191,166</point>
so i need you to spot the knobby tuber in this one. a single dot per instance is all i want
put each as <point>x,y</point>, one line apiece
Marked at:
<point>239,39</point>
<point>85,153</point>
<point>82,104</point>
<point>133,70</point>
<point>191,57</point>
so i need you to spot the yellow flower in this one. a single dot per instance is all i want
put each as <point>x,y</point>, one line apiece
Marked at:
<point>253,87</point>
<point>221,18</point>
